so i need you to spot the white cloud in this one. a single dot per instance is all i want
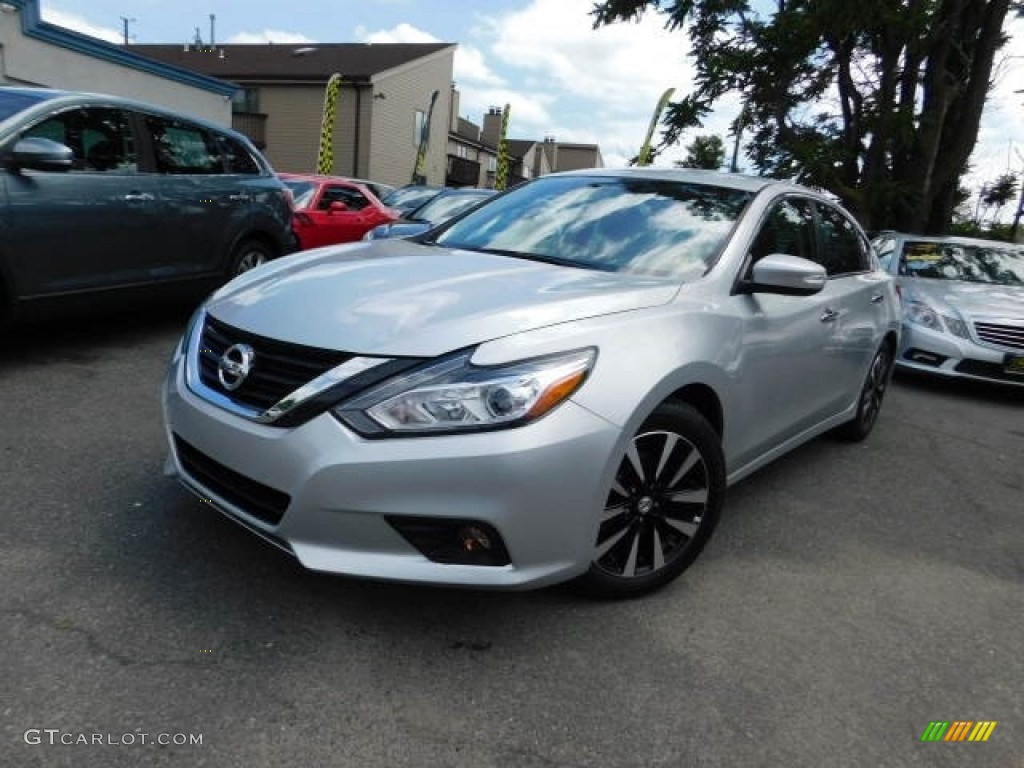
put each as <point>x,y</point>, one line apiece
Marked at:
<point>78,24</point>
<point>1000,147</point>
<point>625,67</point>
<point>470,66</point>
<point>268,36</point>
<point>530,113</point>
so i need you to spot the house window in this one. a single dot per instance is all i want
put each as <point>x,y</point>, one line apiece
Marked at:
<point>461,150</point>
<point>246,100</point>
<point>492,164</point>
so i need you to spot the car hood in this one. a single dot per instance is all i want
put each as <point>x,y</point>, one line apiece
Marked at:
<point>396,298</point>
<point>971,299</point>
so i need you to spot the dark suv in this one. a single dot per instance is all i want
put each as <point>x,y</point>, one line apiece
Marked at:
<point>105,197</point>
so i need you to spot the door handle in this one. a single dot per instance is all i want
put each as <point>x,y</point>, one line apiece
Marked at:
<point>829,315</point>
<point>139,197</point>
<point>877,298</point>
<point>241,198</point>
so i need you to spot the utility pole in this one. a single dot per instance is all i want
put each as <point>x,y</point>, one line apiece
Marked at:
<point>126,20</point>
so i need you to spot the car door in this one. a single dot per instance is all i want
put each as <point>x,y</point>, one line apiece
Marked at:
<point>90,227</point>
<point>206,207</point>
<point>339,226</point>
<point>862,293</point>
<point>788,365</point>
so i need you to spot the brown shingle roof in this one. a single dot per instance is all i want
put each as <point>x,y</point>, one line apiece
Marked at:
<point>519,147</point>
<point>294,61</point>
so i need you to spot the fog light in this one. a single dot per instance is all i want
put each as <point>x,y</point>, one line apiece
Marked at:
<point>453,541</point>
<point>474,538</point>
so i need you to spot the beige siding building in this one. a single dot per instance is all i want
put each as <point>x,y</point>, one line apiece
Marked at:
<point>473,152</point>
<point>384,100</point>
<point>36,53</point>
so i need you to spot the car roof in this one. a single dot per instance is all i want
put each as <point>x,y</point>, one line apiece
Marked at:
<point>317,178</point>
<point>692,175</point>
<point>52,97</point>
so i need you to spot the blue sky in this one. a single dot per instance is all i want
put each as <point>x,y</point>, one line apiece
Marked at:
<point>561,77</point>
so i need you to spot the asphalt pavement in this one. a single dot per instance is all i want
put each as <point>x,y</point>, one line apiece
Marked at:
<point>851,595</point>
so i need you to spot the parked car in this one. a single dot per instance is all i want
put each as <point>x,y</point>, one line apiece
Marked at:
<point>102,197</point>
<point>380,191</point>
<point>410,197</point>
<point>559,384</point>
<point>963,305</point>
<point>330,210</point>
<point>436,211</point>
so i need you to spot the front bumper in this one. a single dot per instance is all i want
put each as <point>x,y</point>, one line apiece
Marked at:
<point>928,351</point>
<point>539,486</point>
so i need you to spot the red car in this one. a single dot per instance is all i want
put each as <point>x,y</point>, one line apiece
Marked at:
<point>333,210</point>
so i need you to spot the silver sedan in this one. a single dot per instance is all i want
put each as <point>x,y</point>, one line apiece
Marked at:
<point>559,385</point>
<point>963,305</point>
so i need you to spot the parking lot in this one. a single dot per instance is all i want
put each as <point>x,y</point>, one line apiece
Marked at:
<point>851,595</point>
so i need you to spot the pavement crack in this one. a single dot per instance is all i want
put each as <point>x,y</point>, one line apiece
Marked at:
<point>97,646</point>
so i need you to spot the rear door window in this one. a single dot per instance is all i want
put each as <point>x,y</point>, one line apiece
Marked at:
<point>843,249</point>
<point>180,147</point>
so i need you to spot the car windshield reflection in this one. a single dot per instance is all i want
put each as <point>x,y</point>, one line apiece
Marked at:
<point>639,226</point>
<point>967,263</point>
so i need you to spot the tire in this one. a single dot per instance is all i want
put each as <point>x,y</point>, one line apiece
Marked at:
<point>247,255</point>
<point>648,534</point>
<point>872,392</point>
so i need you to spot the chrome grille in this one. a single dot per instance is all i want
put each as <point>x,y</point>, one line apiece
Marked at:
<point>1003,335</point>
<point>279,368</point>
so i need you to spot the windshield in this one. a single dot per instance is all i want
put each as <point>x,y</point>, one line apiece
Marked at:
<point>410,197</point>
<point>444,207</point>
<point>997,263</point>
<point>303,191</point>
<point>13,102</point>
<point>636,225</point>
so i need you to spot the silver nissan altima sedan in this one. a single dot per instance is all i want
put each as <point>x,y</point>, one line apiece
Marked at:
<point>558,385</point>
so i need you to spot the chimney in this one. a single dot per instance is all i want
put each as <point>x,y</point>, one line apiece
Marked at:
<point>551,152</point>
<point>491,132</point>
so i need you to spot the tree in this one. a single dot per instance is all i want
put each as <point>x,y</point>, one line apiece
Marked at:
<point>704,152</point>
<point>1000,192</point>
<point>877,101</point>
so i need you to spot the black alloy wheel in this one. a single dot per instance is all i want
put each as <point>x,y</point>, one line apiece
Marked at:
<point>663,504</point>
<point>871,395</point>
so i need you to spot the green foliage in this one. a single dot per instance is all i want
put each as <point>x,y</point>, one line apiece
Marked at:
<point>1001,191</point>
<point>704,152</point>
<point>877,101</point>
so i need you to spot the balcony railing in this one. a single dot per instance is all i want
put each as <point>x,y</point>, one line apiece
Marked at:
<point>462,172</point>
<point>253,125</point>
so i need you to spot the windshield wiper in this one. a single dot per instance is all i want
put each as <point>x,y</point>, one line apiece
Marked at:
<point>527,256</point>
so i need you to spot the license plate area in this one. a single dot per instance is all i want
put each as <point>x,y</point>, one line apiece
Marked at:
<point>1014,365</point>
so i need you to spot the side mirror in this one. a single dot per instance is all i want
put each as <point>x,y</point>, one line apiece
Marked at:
<point>337,207</point>
<point>40,154</point>
<point>786,275</point>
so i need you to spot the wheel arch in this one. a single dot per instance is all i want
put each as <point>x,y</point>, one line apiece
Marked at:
<point>705,400</point>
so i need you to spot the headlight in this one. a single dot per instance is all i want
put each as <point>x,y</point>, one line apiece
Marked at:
<point>956,326</point>
<point>921,314</point>
<point>455,396</point>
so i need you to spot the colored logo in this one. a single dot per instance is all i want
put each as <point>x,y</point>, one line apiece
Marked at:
<point>958,730</point>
